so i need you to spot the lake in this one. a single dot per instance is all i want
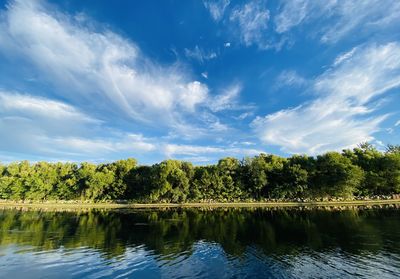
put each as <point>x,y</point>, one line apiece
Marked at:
<point>201,243</point>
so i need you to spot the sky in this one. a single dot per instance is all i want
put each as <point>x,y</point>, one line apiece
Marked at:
<point>102,80</point>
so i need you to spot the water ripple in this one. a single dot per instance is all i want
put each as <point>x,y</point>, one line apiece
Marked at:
<point>218,244</point>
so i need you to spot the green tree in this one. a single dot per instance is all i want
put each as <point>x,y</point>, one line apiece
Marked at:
<point>42,181</point>
<point>369,159</point>
<point>123,171</point>
<point>207,183</point>
<point>67,187</point>
<point>17,179</point>
<point>363,170</point>
<point>390,149</point>
<point>5,183</point>
<point>255,175</point>
<point>99,184</point>
<point>337,176</point>
<point>275,166</point>
<point>171,181</point>
<point>390,173</point>
<point>293,182</point>
<point>229,172</point>
<point>140,183</point>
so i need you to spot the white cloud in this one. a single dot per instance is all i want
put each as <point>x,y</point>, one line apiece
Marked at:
<point>125,143</point>
<point>40,107</point>
<point>290,78</point>
<point>334,20</point>
<point>340,116</point>
<point>244,115</point>
<point>5,159</point>
<point>292,14</point>
<point>329,21</point>
<point>192,150</point>
<point>97,67</point>
<point>216,8</point>
<point>25,117</point>
<point>345,56</point>
<point>39,127</point>
<point>43,127</point>
<point>397,123</point>
<point>247,143</point>
<point>228,44</point>
<point>195,93</point>
<point>371,71</point>
<point>172,150</point>
<point>199,54</point>
<point>227,100</point>
<point>252,20</point>
<point>379,143</point>
<point>43,143</point>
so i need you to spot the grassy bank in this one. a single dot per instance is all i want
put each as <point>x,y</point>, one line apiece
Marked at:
<point>84,205</point>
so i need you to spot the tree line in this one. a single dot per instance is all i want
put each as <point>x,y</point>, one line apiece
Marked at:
<point>362,171</point>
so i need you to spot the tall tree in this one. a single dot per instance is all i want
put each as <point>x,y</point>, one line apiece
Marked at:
<point>337,176</point>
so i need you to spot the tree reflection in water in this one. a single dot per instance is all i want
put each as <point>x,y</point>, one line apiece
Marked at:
<point>172,232</point>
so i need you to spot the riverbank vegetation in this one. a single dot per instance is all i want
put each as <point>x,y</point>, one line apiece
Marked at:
<point>363,171</point>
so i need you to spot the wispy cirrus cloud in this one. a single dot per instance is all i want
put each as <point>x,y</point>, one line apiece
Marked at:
<point>246,22</point>
<point>344,56</point>
<point>123,143</point>
<point>199,54</point>
<point>259,23</point>
<point>102,68</point>
<point>38,126</point>
<point>296,12</point>
<point>21,112</point>
<point>217,8</point>
<point>251,20</point>
<point>96,93</point>
<point>290,78</point>
<point>227,100</point>
<point>334,20</point>
<point>340,116</point>
<point>28,105</point>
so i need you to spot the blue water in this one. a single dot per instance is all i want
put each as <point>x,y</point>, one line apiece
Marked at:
<point>218,243</point>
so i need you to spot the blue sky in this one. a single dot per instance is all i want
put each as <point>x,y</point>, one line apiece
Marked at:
<point>196,80</point>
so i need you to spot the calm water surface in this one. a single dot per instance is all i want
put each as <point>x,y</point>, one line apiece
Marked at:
<point>199,243</point>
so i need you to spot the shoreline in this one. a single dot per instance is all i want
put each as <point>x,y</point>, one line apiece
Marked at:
<point>283,204</point>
